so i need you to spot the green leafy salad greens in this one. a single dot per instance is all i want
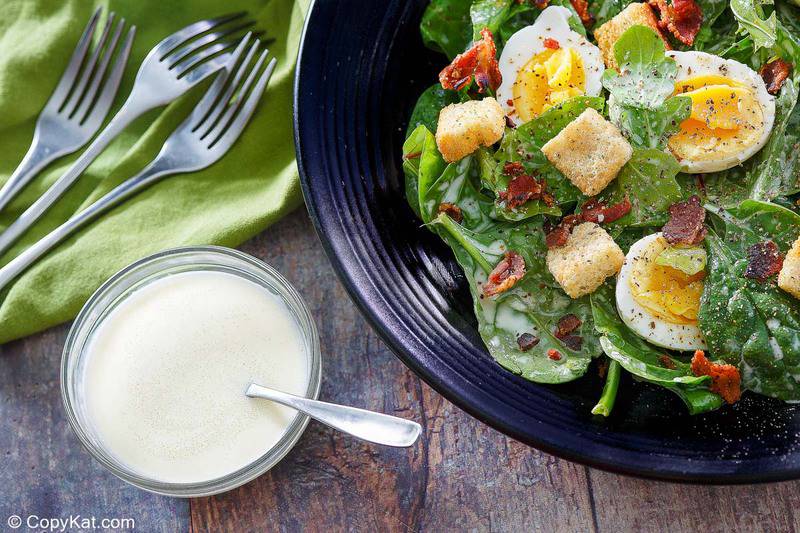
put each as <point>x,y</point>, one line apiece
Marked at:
<point>507,207</point>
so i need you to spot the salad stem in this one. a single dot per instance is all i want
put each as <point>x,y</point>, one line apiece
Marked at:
<point>609,395</point>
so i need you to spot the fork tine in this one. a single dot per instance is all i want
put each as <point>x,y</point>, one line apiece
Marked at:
<point>97,76</point>
<point>215,113</point>
<point>174,41</point>
<point>241,94</point>
<point>62,90</point>
<point>71,105</point>
<point>229,135</point>
<point>183,53</point>
<point>211,111</point>
<point>109,90</point>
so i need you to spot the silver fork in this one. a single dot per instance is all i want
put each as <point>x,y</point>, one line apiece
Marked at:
<point>174,66</point>
<point>216,122</point>
<point>78,106</point>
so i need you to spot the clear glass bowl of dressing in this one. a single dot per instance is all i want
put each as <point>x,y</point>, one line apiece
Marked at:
<point>127,282</point>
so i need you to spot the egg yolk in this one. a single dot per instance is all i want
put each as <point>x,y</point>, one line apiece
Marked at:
<point>549,78</point>
<point>725,118</point>
<point>666,292</point>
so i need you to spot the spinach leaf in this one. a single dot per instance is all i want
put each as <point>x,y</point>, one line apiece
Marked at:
<point>445,26</point>
<point>534,305</point>
<point>639,101</point>
<point>605,10</point>
<point>754,23</point>
<point>750,323</point>
<point>648,182</point>
<point>524,145</point>
<point>429,103</point>
<point>643,360</point>
<point>489,14</point>
<point>412,152</point>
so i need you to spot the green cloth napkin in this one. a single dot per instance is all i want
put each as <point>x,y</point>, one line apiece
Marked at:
<point>249,188</point>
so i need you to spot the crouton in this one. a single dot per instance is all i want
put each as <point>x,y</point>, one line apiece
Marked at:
<point>635,14</point>
<point>465,127</point>
<point>589,151</point>
<point>585,261</point>
<point>789,276</point>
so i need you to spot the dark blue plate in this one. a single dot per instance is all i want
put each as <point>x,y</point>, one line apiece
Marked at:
<point>362,65</point>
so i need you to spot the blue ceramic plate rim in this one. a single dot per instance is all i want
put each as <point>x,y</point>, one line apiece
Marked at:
<point>463,393</point>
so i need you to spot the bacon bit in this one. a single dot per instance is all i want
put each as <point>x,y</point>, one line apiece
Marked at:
<point>507,272</point>
<point>602,367</point>
<point>582,8</point>
<point>685,224</point>
<point>526,341</point>
<point>510,123</point>
<point>596,211</point>
<point>566,325</point>
<point>573,342</point>
<point>451,210</point>
<point>725,379</point>
<point>541,4</point>
<point>522,188</point>
<point>683,18</point>
<point>550,43</point>
<point>555,355</point>
<point>774,74</point>
<point>667,362</point>
<point>701,183</point>
<point>479,61</point>
<point>412,155</point>
<point>763,260</point>
<point>559,235</point>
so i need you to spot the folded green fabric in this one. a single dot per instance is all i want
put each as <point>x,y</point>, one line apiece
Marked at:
<point>249,188</point>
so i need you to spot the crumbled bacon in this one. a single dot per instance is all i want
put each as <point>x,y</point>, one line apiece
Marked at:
<point>526,341</point>
<point>451,210</point>
<point>763,260</point>
<point>667,362</point>
<point>685,224</point>
<point>555,355</point>
<point>774,74</point>
<point>573,342</point>
<point>507,272</point>
<point>596,211</point>
<point>725,379</point>
<point>522,188</point>
<point>566,325</point>
<point>551,43</point>
<point>582,8</point>
<point>683,18</point>
<point>479,61</point>
<point>559,235</point>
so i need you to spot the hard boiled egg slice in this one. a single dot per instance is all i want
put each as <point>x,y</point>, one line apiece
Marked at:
<point>546,63</point>
<point>659,303</point>
<point>732,112</point>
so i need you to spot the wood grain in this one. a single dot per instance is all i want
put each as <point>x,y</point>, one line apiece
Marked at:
<point>461,476</point>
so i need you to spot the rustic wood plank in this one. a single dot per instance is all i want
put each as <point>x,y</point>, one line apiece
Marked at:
<point>462,475</point>
<point>45,471</point>
<point>623,503</point>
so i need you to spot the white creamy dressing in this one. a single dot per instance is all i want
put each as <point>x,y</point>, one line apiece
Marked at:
<point>166,373</point>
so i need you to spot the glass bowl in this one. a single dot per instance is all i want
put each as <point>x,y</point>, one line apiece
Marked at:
<point>132,278</point>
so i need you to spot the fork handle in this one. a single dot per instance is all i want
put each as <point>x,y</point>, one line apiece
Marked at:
<point>37,157</point>
<point>127,114</point>
<point>114,197</point>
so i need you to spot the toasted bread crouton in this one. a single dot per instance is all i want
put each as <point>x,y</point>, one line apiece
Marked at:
<point>465,127</point>
<point>589,151</point>
<point>635,14</point>
<point>789,277</point>
<point>585,261</point>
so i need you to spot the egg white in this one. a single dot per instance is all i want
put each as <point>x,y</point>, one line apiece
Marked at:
<point>692,64</point>
<point>553,22</point>
<point>655,330</point>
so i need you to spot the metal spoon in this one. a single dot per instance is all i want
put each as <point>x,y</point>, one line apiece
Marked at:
<point>366,425</point>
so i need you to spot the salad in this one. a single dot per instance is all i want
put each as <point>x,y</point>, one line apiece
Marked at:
<point>619,182</point>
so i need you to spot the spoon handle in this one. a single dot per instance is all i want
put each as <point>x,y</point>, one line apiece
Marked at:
<point>366,425</point>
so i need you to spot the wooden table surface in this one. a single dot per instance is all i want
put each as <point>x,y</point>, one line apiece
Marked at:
<point>462,475</point>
